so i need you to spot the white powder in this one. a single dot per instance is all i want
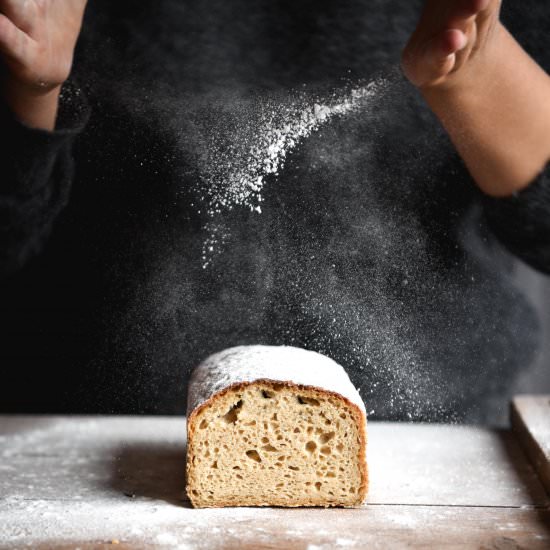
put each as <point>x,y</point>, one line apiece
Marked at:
<point>102,480</point>
<point>285,363</point>
<point>404,519</point>
<point>26,523</point>
<point>236,166</point>
<point>345,542</point>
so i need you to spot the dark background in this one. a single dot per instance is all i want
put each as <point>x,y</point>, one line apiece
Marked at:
<point>117,309</point>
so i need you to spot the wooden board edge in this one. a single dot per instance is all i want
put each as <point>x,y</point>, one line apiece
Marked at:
<point>527,414</point>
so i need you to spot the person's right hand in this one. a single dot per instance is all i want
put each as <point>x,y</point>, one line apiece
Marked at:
<point>37,41</point>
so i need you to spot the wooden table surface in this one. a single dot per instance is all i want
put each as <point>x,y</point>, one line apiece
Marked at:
<point>117,482</point>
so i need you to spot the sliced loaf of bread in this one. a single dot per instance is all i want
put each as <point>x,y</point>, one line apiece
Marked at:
<point>274,426</point>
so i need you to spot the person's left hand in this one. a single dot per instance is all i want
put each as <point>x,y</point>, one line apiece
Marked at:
<point>452,37</point>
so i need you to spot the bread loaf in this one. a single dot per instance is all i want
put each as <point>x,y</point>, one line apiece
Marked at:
<point>274,426</point>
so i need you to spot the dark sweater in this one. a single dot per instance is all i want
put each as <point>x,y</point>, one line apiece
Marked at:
<point>374,246</point>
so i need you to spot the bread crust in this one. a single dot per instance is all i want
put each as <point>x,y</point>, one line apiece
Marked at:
<point>250,363</point>
<point>360,418</point>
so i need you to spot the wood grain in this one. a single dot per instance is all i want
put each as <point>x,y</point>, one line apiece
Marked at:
<point>375,527</point>
<point>531,422</point>
<point>117,482</point>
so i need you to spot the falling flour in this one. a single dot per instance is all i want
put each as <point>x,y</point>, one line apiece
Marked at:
<point>236,167</point>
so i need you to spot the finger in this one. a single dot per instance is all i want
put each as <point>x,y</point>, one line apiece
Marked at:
<point>14,43</point>
<point>430,63</point>
<point>22,13</point>
<point>451,41</point>
<point>464,12</point>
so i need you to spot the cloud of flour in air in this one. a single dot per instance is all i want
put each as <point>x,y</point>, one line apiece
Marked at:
<point>258,139</point>
<point>315,268</point>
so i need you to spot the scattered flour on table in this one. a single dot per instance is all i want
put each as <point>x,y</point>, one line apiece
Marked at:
<point>235,167</point>
<point>404,519</point>
<point>338,543</point>
<point>26,523</point>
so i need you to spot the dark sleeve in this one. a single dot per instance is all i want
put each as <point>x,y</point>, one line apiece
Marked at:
<point>522,222</point>
<point>37,170</point>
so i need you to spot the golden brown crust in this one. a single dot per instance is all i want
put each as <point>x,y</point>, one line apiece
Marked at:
<point>238,386</point>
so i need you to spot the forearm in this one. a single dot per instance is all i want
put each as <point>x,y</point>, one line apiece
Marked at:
<point>37,168</point>
<point>36,109</point>
<point>37,41</point>
<point>522,222</point>
<point>498,116</point>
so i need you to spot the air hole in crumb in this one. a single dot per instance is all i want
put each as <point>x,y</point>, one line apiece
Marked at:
<point>325,450</point>
<point>326,437</point>
<point>343,415</point>
<point>318,485</point>
<point>311,446</point>
<point>214,465</point>
<point>203,424</point>
<point>253,454</point>
<point>239,476</point>
<point>339,447</point>
<point>331,474</point>
<point>266,394</point>
<point>295,468</point>
<point>352,490</point>
<point>265,439</point>
<point>274,417</point>
<point>296,430</point>
<point>303,400</point>
<point>280,485</point>
<point>269,448</point>
<point>232,415</point>
<point>236,467</point>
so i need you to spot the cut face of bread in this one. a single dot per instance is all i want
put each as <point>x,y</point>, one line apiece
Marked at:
<point>267,442</point>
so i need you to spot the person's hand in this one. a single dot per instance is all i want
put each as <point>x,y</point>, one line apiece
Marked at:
<point>37,41</point>
<point>453,39</point>
<point>491,97</point>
